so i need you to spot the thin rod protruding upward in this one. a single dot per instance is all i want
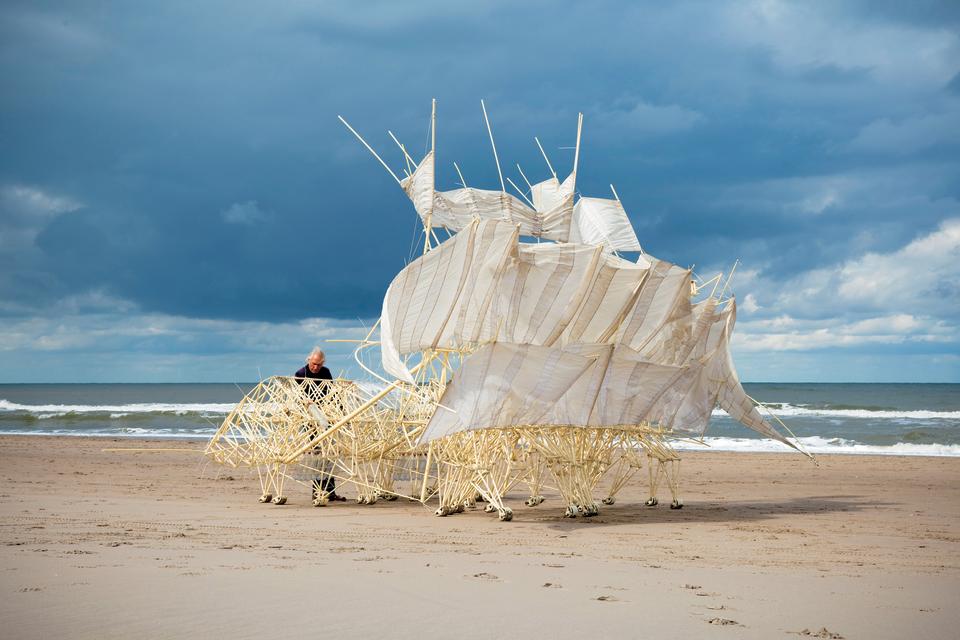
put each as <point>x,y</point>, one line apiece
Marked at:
<point>616,197</point>
<point>369,148</point>
<point>410,161</point>
<point>576,154</point>
<point>496,159</point>
<point>522,194</point>
<point>524,177</point>
<point>462,181</point>
<point>428,223</point>
<point>729,278</point>
<point>549,166</point>
<point>433,127</point>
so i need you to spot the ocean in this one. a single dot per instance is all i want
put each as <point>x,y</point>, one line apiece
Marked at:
<point>894,419</point>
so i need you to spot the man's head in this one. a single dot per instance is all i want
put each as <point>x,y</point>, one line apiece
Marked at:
<point>315,360</point>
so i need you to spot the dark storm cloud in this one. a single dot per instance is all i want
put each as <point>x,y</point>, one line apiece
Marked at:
<point>186,159</point>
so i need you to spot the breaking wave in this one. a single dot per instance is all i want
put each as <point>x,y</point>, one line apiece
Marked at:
<point>200,433</point>
<point>45,411</point>
<point>819,445</point>
<point>878,413</point>
<point>114,411</point>
<point>815,444</point>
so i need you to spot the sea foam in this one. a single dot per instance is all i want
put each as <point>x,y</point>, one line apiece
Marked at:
<point>60,410</point>
<point>891,414</point>
<point>820,445</point>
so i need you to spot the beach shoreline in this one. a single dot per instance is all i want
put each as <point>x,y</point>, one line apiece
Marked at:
<point>156,543</point>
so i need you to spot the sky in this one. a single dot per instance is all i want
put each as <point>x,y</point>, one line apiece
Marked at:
<point>179,203</point>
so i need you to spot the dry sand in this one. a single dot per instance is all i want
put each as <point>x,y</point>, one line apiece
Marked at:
<point>97,544</point>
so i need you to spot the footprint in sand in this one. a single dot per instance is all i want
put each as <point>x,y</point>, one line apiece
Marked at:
<point>723,622</point>
<point>822,633</point>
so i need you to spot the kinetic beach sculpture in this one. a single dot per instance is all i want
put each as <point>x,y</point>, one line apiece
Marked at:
<point>552,363</point>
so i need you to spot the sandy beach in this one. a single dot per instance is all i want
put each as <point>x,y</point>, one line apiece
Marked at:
<point>100,544</point>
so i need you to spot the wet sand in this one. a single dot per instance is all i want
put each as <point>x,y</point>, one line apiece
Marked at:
<point>97,544</point>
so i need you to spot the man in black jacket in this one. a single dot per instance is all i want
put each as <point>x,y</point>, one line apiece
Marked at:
<point>315,371</point>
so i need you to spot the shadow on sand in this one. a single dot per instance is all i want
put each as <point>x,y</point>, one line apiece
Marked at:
<point>698,511</point>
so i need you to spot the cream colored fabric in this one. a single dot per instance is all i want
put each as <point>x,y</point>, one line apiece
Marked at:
<point>711,380</point>
<point>420,187</point>
<point>576,406</point>
<point>595,221</point>
<point>688,404</point>
<point>540,292</point>
<point>732,398</point>
<point>602,385</point>
<point>551,193</point>
<point>606,302</point>
<point>468,291</point>
<point>504,385</point>
<point>603,221</point>
<point>575,336</point>
<point>442,297</point>
<point>665,288</point>
<point>456,209</point>
<point>630,389</point>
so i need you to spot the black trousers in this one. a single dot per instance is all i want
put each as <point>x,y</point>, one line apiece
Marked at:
<point>326,484</point>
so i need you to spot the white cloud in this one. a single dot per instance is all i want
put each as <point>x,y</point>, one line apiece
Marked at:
<point>899,323</point>
<point>52,32</point>
<point>909,134</point>
<point>31,203</point>
<point>247,213</point>
<point>785,333</point>
<point>802,36</point>
<point>803,195</point>
<point>661,119</point>
<point>130,345</point>
<point>922,276</point>
<point>25,211</point>
<point>646,118</point>
<point>911,295</point>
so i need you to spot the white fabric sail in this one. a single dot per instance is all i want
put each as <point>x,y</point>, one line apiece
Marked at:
<point>442,297</point>
<point>504,385</point>
<point>554,216</point>
<point>456,209</point>
<point>604,222</point>
<point>551,193</point>
<point>571,335</point>
<point>688,404</point>
<point>419,186</point>
<point>601,385</point>
<point>482,285</point>
<point>507,385</point>
<point>712,381</point>
<point>606,302</point>
<point>540,292</point>
<point>665,289</point>
<point>732,398</point>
